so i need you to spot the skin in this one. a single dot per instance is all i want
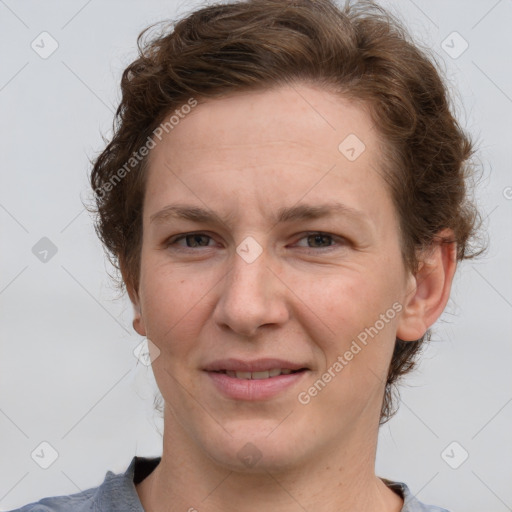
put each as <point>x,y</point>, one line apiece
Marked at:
<point>245,156</point>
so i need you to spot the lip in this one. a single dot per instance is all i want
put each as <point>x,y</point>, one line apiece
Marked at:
<point>253,389</point>
<point>257,365</point>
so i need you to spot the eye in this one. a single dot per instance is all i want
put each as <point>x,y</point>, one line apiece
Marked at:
<point>314,240</point>
<point>319,240</point>
<point>192,240</point>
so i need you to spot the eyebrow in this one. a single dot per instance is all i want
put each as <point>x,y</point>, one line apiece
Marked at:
<point>285,214</point>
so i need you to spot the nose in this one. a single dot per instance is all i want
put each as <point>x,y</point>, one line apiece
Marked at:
<point>251,296</point>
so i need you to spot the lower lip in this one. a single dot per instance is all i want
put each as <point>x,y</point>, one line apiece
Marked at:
<point>254,389</point>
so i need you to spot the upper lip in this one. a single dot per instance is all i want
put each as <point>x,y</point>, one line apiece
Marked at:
<point>257,365</point>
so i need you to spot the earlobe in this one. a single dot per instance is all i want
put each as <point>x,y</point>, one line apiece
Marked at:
<point>428,290</point>
<point>133,294</point>
<point>138,321</point>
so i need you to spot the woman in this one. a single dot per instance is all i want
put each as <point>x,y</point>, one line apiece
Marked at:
<point>285,198</point>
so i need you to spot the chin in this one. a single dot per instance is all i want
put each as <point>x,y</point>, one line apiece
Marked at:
<point>253,450</point>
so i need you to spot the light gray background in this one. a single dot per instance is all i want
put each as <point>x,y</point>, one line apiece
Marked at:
<point>67,372</point>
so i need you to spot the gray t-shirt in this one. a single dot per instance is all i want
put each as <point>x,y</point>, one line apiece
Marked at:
<point>117,493</point>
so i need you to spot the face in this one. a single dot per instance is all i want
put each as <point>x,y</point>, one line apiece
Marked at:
<point>267,251</point>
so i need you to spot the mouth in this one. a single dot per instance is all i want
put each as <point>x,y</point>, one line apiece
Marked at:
<point>261,379</point>
<point>266,374</point>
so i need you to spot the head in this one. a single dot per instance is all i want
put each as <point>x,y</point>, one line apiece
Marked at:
<point>247,110</point>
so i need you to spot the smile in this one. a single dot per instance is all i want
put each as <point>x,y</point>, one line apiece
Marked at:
<point>275,372</point>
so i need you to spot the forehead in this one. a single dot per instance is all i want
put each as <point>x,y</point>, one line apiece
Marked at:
<point>300,115</point>
<point>275,145</point>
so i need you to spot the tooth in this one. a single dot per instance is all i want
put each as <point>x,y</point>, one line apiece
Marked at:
<point>274,372</point>
<point>260,375</point>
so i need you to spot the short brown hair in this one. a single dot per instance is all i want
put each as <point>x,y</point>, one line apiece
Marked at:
<point>358,50</point>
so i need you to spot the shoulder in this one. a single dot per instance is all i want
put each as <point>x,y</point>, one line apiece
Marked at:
<point>78,502</point>
<point>117,493</point>
<point>411,503</point>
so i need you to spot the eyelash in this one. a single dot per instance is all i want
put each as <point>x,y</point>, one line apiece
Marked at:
<point>173,240</point>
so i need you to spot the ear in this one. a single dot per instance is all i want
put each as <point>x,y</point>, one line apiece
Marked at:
<point>429,288</point>
<point>138,320</point>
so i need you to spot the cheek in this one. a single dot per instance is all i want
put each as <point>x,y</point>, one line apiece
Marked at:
<point>348,302</point>
<point>357,346</point>
<point>173,306</point>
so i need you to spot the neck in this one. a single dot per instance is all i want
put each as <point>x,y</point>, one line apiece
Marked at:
<point>343,480</point>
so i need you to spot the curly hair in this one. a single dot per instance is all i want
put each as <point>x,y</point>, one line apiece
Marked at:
<point>358,50</point>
